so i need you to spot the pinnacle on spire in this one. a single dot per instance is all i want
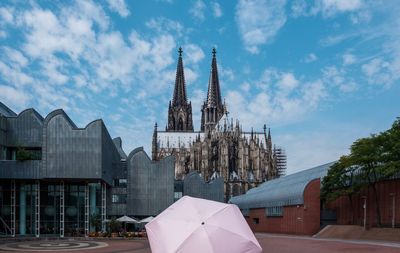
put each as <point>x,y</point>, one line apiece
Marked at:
<point>269,141</point>
<point>214,92</point>
<point>179,97</point>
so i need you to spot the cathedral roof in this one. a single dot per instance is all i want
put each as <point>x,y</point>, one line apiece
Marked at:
<point>179,97</point>
<point>177,139</point>
<point>214,92</point>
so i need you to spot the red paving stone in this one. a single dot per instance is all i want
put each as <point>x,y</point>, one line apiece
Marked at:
<point>270,244</point>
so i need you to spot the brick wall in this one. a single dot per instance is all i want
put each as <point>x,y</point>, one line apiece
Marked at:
<point>386,189</point>
<point>299,219</point>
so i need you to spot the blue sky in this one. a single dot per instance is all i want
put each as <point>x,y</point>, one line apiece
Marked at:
<point>320,73</point>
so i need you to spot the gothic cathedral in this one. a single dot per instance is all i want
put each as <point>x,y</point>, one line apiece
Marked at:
<point>221,148</point>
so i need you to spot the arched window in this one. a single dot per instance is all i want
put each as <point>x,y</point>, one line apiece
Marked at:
<point>180,124</point>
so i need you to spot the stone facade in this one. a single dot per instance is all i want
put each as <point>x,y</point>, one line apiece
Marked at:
<point>221,148</point>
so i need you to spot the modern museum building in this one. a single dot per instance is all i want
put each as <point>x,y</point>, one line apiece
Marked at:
<point>54,176</point>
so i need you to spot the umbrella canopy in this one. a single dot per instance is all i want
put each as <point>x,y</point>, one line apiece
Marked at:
<point>201,226</point>
<point>146,220</point>
<point>127,219</point>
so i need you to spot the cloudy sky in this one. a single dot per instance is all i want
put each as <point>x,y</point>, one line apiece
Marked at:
<point>320,73</point>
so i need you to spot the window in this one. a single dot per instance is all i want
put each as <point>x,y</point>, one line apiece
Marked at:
<point>119,198</point>
<point>21,153</point>
<point>274,211</point>
<point>256,220</point>
<point>120,182</point>
<point>177,195</point>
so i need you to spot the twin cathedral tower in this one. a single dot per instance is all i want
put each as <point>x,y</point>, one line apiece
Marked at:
<point>221,149</point>
<point>180,110</point>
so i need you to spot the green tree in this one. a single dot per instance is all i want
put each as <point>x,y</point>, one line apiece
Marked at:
<point>114,225</point>
<point>367,155</point>
<point>95,221</point>
<point>341,181</point>
<point>370,160</point>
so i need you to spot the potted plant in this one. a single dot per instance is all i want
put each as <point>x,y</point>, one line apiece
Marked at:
<point>95,222</point>
<point>115,227</point>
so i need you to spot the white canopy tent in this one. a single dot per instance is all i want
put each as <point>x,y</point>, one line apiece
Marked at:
<point>147,220</point>
<point>127,219</point>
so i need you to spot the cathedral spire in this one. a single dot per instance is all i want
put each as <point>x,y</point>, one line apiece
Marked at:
<point>213,109</point>
<point>214,92</point>
<point>179,109</point>
<point>179,97</point>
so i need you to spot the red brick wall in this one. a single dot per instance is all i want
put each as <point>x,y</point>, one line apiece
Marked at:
<point>385,189</point>
<point>301,219</point>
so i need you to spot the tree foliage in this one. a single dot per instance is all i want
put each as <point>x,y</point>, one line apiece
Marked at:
<point>371,160</point>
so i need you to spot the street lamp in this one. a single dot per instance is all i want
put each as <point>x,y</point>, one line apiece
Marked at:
<point>365,211</point>
<point>393,208</point>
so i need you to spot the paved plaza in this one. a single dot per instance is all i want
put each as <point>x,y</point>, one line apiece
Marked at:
<point>270,243</point>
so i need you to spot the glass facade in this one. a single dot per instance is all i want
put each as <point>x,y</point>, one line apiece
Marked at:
<point>51,207</point>
<point>5,205</point>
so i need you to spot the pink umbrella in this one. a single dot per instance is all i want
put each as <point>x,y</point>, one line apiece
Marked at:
<point>193,225</point>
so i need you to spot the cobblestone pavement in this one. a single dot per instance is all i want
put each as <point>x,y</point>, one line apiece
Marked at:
<point>270,243</point>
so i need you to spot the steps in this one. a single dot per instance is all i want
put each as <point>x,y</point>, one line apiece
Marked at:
<point>354,232</point>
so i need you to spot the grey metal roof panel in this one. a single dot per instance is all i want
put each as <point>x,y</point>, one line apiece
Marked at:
<point>118,144</point>
<point>5,111</point>
<point>287,190</point>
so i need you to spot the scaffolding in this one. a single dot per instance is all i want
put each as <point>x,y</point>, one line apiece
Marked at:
<point>280,158</point>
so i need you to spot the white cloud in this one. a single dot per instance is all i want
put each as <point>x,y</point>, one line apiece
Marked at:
<point>226,74</point>
<point>363,16</point>
<point>116,117</point>
<point>287,82</point>
<point>373,67</point>
<point>6,15</point>
<point>197,10</point>
<point>14,98</point>
<point>15,56</point>
<point>14,75</point>
<point>299,8</point>
<point>164,25</point>
<point>245,87</point>
<point>338,77</point>
<point>120,7</point>
<point>310,58</point>
<point>380,72</point>
<point>328,8</point>
<point>193,53</point>
<point>259,21</point>
<point>217,11</point>
<point>277,97</point>
<point>349,59</point>
<point>331,7</point>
